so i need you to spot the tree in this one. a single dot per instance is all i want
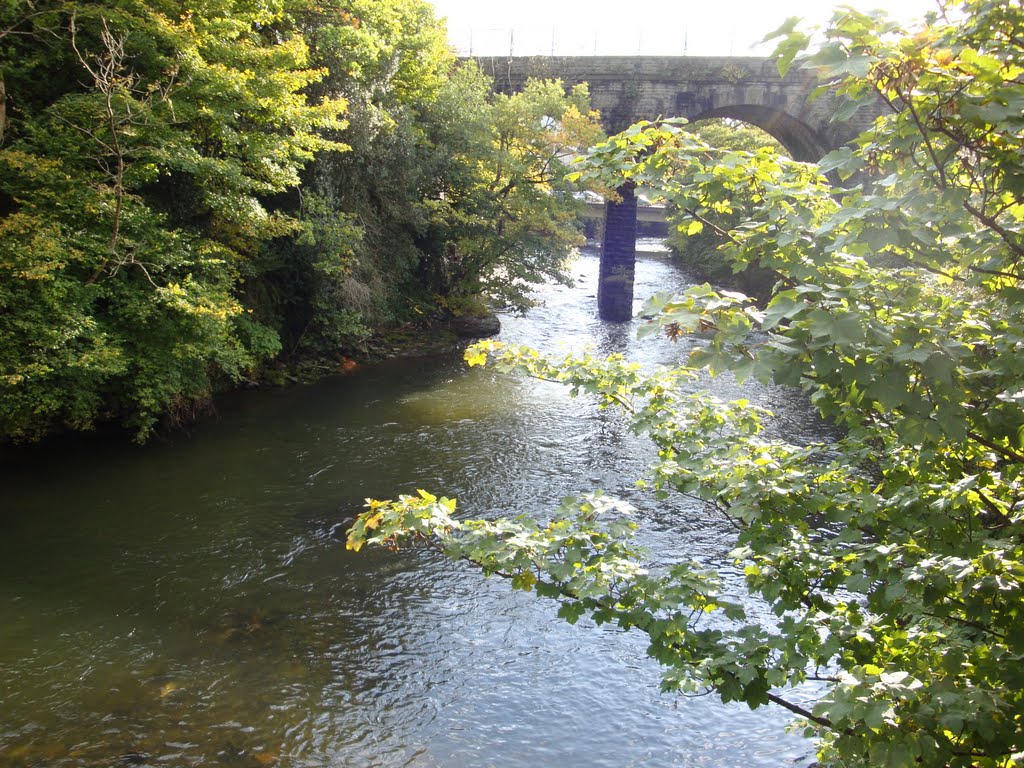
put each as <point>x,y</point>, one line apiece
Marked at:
<point>141,143</point>
<point>502,218</point>
<point>697,246</point>
<point>449,193</point>
<point>354,265</point>
<point>155,241</point>
<point>893,556</point>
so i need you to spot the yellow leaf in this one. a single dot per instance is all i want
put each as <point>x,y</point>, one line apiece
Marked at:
<point>373,521</point>
<point>524,581</point>
<point>477,353</point>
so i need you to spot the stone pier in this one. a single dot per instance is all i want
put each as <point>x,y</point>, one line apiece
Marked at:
<point>618,258</point>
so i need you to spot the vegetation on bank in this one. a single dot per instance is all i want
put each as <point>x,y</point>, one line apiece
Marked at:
<point>189,191</point>
<point>893,557</point>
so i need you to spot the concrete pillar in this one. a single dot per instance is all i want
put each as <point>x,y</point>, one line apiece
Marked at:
<point>618,258</point>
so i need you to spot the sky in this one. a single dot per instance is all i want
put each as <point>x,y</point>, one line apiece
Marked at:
<point>629,27</point>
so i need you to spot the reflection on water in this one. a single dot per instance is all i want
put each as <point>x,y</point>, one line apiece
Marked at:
<point>192,603</point>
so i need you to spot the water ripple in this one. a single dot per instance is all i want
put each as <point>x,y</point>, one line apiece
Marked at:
<point>192,603</point>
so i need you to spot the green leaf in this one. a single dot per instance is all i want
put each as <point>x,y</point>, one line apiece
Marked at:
<point>784,306</point>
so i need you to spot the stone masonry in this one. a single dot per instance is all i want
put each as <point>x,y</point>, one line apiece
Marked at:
<point>618,258</point>
<point>630,88</point>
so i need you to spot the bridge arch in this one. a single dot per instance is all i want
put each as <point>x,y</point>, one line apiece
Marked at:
<point>801,141</point>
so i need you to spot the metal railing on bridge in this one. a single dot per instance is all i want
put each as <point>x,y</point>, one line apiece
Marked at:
<point>550,41</point>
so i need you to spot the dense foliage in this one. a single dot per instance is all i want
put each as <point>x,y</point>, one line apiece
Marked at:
<point>893,556</point>
<point>697,246</point>
<point>139,141</point>
<point>188,190</point>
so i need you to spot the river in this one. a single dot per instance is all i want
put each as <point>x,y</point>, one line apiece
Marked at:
<point>191,602</point>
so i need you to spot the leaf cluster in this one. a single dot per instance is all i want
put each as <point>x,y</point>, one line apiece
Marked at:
<point>141,143</point>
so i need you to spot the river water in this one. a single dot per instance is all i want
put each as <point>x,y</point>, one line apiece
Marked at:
<point>192,603</point>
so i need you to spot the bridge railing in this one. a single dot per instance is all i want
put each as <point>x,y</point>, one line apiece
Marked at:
<point>599,41</point>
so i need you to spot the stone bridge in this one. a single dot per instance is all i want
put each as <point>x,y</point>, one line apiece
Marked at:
<point>630,88</point>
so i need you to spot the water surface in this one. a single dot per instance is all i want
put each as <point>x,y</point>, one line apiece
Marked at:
<point>191,602</point>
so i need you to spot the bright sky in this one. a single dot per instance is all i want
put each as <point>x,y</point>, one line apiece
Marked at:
<point>625,27</point>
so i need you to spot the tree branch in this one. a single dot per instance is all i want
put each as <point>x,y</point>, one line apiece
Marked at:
<point>798,710</point>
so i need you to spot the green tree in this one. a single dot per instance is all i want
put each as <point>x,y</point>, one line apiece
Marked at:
<point>141,141</point>
<point>157,243</point>
<point>893,556</point>
<point>697,246</point>
<point>354,265</point>
<point>449,193</point>
<point>502,218</point>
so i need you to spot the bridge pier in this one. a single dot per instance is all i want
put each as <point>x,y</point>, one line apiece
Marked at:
<point>618,258</point>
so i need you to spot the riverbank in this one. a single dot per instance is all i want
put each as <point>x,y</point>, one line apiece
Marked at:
<point>422,338</point>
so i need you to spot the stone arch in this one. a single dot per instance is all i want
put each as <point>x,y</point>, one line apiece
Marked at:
<point>801,141</point>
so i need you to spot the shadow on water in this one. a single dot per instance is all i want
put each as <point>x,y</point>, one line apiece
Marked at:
<point>191,602</point>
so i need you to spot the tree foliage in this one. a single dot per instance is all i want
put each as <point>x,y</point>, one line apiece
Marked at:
<point>696,245</point>
<point>355,264</point>
<point>503,218</point>
<point>448,192</point>
<point>893,556</point>
<point>141,141</point>
<point>181,199</point>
